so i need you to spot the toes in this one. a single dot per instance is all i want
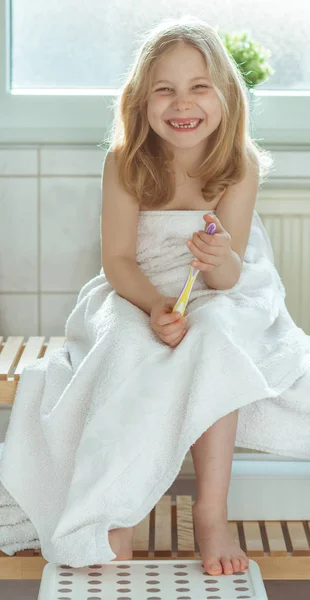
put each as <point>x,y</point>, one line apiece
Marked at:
<point>213,567</point>
<point>227,566</point>
<point>244,563</point>
<point>236,563</point>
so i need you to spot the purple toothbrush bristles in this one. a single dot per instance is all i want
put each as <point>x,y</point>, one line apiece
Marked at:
<point>211,228</point>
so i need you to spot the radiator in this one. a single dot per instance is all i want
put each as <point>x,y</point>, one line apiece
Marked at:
<point>286,217</point>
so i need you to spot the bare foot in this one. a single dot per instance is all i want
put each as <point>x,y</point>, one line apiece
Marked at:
<point>120,540</point>
<point>220,554</point>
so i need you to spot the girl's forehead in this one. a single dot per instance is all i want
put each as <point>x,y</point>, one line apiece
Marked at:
<point>178,59</point>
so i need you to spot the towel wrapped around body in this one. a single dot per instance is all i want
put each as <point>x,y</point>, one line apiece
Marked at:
<point>99,429</point>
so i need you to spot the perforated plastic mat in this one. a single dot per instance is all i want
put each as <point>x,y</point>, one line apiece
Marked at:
<point>149,580</point>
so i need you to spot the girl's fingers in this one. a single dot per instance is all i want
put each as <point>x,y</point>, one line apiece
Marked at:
<point>175,341</point>
<point>174,333</point>
<point>178,326</point>
<point>168,318</point>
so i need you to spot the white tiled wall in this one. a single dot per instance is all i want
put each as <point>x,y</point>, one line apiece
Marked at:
<point>50,204</point>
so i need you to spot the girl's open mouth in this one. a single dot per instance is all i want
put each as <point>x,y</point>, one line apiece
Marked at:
<point>186,126</point>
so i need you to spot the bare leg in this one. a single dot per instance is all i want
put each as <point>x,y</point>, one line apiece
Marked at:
<point>212,457</point>
<point>120,540</point>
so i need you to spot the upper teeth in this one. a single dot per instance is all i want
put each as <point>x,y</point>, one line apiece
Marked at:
<point>193,124</point>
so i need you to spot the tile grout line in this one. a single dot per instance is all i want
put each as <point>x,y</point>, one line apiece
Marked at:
<point>39,240</point>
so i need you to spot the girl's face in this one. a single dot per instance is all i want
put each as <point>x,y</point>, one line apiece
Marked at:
<point>181,90</point>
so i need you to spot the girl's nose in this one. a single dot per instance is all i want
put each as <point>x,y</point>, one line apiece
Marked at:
<point>182,102</point>
<point>182,105</point>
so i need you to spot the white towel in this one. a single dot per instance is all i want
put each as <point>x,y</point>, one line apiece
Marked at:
<point>100,428</point>
<point>16,530</point>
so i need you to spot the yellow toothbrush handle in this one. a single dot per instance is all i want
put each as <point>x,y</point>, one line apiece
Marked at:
<point>182,301</point>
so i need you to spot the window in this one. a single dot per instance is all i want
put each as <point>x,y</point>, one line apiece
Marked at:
<point>75,44</point>
<point>62,61</point>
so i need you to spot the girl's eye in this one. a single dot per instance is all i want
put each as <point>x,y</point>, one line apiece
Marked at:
<point>195,86</point>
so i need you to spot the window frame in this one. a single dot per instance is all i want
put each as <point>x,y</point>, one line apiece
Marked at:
<point>76,116</point>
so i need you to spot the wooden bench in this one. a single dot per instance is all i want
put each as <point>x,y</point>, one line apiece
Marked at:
<point>280,548</point>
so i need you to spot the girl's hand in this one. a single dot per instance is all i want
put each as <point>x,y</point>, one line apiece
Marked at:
<point>169,326</point>
<point>211,251</point>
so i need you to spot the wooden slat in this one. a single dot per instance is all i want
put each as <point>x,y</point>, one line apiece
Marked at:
<point>54,343</point>
<point>21,568</point>
<point>163,538</point>
<point>7,392</point>
<point>10,355</point>
<point>32,351</point>
<point>233,530</point>
<point>253,540</point>
<point>185,527</point>
<point>286,568</point>
<point>141,538</point>
<point>275,538</point>
<point>298,538</point>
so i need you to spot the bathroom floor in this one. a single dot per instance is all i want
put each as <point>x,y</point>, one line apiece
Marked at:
<point>276,590</point>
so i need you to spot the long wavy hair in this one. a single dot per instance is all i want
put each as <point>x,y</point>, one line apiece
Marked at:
<point>146,170</point>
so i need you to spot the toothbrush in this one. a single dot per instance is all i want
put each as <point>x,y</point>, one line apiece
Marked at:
<point>182,301</point>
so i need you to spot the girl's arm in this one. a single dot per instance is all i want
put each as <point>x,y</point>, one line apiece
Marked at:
<point>226,276</point>
<point>131,283</point>
<point>235,212</point>
<point>119,224</point>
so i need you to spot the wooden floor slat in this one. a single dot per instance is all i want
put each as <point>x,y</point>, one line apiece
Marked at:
<point>141,538</point>
<point>233,530</point>
<point>275,538</point>
<point>253,539</point>
<point>298,538</point>
<point>163,536</point>
<point>185,526</point>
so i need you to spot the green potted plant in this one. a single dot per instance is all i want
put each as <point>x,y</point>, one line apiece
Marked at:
<point>250,56</point>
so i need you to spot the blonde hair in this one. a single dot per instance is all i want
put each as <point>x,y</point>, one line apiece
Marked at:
<point>144,169</point>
